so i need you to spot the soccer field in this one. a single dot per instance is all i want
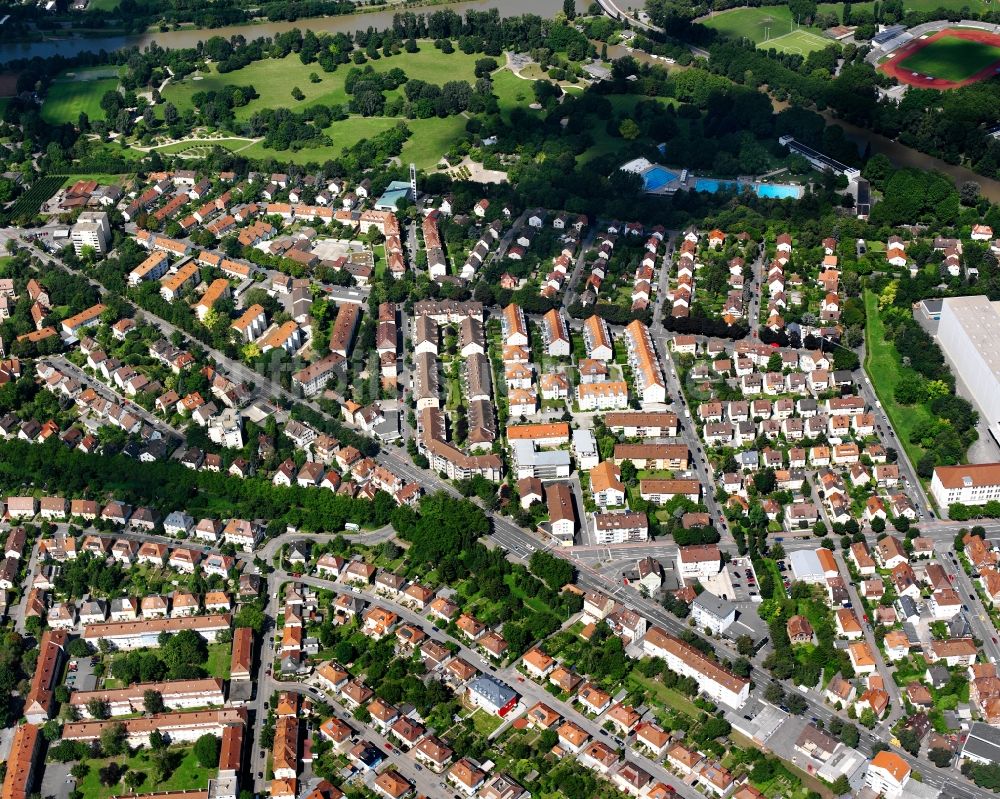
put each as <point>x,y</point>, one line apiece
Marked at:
<point>769,26</point>
<point>951,58</point>
<point>800,42</point>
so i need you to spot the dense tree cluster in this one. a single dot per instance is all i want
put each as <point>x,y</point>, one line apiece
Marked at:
<point>167,486</point>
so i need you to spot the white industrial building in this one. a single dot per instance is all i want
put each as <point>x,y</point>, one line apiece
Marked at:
<point>806,567</point>
<point>968,333</point>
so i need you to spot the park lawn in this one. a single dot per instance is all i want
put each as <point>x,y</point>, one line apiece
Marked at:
<point>232,144</point>
<point>951,58</point>
<point>65,101</point>
<point>274,78</point>
<point>512,92</point>
<point>188,775</point>
<point>219,659</point>
<point>428,142</point>
<point>430,139</point>
<point>882,364</point>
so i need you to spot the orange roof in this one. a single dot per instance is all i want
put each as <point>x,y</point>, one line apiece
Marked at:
<point>606,476</point>
<point>527,432</point>
<point>893,764</point>
<point>21,762</point>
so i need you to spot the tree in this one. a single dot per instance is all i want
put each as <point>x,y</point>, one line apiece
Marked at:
<point>745,645</point>
<point>841,785</point>
<point>133,779</point>
<point>250,615</point>
<point>297,94</point>
<point>849,735</point>
<point>629,472</point>
<point>152,701</point>
<point>940,757</point>
<point>774,693</point>
<point>206,749</point>
<point>344,652</point>
<point>867,718</point>
<point>629,129</point>
<point>909,741</point>
<point>569,9</point>
<point>110,774</point>
<point>157,741</point>
<point>98,708</point>
<point>796,704</point>
<point>113,740</point>
<point>555,572</point>
<point>969,192</point>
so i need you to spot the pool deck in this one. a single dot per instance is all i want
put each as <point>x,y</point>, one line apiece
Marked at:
<point>682,180</point>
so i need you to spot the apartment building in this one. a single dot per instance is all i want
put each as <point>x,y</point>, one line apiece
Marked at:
<point>716,682</point>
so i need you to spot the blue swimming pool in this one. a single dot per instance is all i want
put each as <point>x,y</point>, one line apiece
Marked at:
<point>657,177</point>
<point>711,185</point>
<point>779,191</point>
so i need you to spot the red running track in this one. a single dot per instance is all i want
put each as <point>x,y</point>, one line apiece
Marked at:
<point>892,67</point>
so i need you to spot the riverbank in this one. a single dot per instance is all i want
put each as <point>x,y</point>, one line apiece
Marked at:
<point>904,156</point>
<point>182,38</point>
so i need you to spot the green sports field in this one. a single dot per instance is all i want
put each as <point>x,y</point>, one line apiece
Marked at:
<point>767,27</point>
<point>798,42</point>
<point>67,97</point>
<point>951,58</point>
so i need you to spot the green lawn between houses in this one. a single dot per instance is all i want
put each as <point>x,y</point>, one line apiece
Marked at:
<point>219,660</point>
<point>951,58</point>
<point>882,364</point>
<point>188,775</point>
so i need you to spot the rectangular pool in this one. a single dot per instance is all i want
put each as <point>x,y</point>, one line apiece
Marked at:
<point>777,191</point>
<point>657,177</point>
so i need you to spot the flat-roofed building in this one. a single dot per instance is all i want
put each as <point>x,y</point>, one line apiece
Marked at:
<point>968,333</point>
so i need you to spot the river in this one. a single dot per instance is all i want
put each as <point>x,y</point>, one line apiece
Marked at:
<point>904,156</point>
<point>179,39</point>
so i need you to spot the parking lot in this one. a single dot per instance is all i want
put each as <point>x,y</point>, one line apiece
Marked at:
<point>80,675</point>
